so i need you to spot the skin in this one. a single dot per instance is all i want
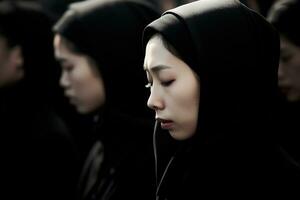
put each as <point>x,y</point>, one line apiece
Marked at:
<point>175,90</point>
<point>289,69</point>
<point>81,80</point>
<point>11,64</point>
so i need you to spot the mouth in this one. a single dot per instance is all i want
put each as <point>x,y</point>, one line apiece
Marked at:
<point>165,123</point>
<point>284,88</point>
<point>72,99</point>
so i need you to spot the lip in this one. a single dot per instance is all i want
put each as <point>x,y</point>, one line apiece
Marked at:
<point>284,88</point>
<point>72,100</point>
<point>165,123</point>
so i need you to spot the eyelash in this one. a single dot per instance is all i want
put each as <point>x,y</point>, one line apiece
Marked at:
<point>165,84</point>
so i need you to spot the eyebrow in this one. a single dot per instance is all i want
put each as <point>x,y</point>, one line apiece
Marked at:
<point>157,68</point>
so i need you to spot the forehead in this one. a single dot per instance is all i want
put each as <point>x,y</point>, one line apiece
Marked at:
<point>157,54</point>
<point>62,46</point>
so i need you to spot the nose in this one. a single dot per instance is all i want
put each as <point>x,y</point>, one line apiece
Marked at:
<point>280,71</point>
<point>64,81</point>
<point>155,101</point>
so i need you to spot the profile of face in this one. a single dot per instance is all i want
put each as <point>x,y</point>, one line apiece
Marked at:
<point>175,90</point>
<point>11,64</point>
<point>289,69</point>
<point>81,80</point>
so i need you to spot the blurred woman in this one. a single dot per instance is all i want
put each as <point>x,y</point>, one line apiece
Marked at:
<point>98,44</point>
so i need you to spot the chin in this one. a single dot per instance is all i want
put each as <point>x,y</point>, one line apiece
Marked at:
<point>83,110</point>
<point>180,135</point>
<point>293,98</point>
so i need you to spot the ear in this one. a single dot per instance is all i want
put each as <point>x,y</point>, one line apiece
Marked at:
<point>16,57</point>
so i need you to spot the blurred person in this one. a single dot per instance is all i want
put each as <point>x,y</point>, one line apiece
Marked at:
<point>98,44</point>
<point>38,154</point>
<point>285,15</point>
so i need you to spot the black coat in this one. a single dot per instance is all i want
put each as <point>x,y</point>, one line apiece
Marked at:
<point>38,155</point>
<point>120,163</point>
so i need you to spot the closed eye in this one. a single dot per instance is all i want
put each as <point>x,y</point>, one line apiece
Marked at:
<point>167,83</point>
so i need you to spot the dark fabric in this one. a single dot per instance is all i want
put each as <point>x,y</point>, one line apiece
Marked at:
<point>110,32</point>
<point>39,159</point>
<point>287,132</point>
<point>235,52</point>
<point>120,163</point>
<point>285,15</point>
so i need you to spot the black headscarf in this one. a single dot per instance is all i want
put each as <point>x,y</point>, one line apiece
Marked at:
<point>235,53</point>
<point>110,33</point>
<point>285,15</point>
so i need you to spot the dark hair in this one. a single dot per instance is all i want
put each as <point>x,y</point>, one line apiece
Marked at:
<point>285,15</point>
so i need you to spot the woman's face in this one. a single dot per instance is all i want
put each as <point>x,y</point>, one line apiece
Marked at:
<point>175,90</point>
<point>82,82</point>
<point>289,69</point>
<point>11,63</point>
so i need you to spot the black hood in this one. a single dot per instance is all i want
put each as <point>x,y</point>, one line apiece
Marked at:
<point>110,31</point>
<point>235,52</point>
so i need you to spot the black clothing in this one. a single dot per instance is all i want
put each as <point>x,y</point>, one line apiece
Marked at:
<point>120,162</point>
<point>39,159</point>
<point>235,52</point>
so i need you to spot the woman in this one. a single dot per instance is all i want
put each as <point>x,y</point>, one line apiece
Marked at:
<point>37,150</point>
<point>99,46</point>
<point>213,89</point>
<point>284,15</point>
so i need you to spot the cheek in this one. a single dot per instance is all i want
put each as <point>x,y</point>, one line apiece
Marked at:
<point>297,68</point>
<point>80,80</point>
<point>188,105</point>
<point>188,96</point>
<point>94,91</point>
<point>293,72</point>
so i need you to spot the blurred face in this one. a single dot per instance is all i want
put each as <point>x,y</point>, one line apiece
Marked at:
<point>289,70</point>
<point>81,81</point>
<point>11,64</point>
<point>174,90</point>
